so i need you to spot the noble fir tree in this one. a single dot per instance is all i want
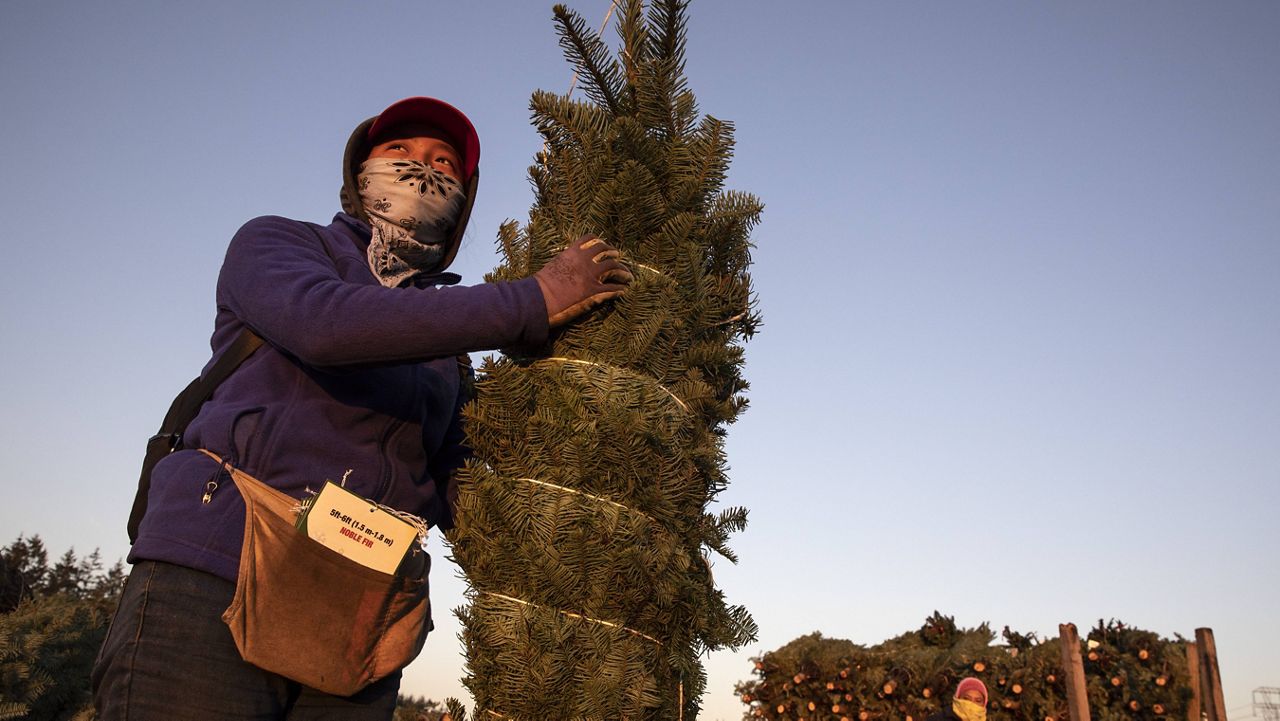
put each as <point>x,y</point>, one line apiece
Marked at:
<point>583,523</point>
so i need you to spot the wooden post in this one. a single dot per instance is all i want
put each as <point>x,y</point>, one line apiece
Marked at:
<point>1193,670</point>
<point>1210,680</point>
<point>1073,672</point>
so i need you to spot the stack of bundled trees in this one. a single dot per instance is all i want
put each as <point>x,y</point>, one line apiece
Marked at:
<point>1132,675</point>
<point>1139,674</point>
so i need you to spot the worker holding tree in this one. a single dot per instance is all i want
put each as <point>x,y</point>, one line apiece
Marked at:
<point>968,704</point>
<point>360,377</point>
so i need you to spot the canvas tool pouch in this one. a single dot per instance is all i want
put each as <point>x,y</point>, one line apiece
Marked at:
<point>312,615</point>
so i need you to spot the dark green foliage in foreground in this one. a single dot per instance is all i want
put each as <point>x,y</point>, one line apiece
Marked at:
<point>53,620</point>
<point>418,708</point>
<point>584,523</point>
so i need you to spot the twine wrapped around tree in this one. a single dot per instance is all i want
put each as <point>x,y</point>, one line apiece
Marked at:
<point>583,521</point>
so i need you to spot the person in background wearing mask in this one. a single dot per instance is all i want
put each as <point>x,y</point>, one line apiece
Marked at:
<point>969,703</point>
<point>359,378</point>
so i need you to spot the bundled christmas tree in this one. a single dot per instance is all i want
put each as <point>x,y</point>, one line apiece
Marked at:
<point>583,521</point>
<point>1135,673</point>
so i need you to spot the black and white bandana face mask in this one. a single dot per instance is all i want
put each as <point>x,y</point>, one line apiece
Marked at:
<point>413,209</point>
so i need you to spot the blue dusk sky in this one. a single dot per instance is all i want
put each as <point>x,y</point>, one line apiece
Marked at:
<point>1018,270</point>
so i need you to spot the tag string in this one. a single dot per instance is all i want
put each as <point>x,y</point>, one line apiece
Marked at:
<point>584,494</point>
<point>619,369</point>
<point>571,614</point>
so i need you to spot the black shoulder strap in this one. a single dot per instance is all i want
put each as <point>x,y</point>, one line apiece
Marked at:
<point>187,404</point>
<point>181,412</point>
<point>184,408</point>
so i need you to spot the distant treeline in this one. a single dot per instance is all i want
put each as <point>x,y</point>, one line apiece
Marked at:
<point>53,618</point>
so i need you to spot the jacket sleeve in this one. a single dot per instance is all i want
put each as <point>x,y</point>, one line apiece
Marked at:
<point>279,282</point>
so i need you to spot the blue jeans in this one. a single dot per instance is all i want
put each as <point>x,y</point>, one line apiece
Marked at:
<point>169,656</point>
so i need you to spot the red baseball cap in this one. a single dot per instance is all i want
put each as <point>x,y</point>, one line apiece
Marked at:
<point>437,113</point>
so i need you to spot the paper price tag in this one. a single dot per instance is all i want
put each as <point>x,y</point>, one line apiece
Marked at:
<point>353,526</point>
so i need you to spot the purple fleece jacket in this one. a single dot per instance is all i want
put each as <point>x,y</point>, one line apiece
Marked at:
<point>355,379</point>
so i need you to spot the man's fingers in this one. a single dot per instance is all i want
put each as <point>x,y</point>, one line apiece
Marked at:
<point>610,264</point>
<point>618,275</point>
<point>602,297</point>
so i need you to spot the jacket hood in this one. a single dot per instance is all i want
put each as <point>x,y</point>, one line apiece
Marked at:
<point>358,147</point>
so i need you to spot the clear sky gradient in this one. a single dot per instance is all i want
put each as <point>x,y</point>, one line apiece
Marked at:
<point>1018,269</point>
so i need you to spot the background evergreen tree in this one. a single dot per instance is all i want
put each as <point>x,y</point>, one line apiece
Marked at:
<point>418,708</point>
<point>71,575</point>
<point>24,564</point>
<point>583,522</point>
<point>52,622</point>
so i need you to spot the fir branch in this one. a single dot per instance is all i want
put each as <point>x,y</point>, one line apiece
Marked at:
<point>563,121</point>
<point>572,168</point>
<point>667,32</point>
<point>634,33</point>
<point>602,81</point>
<point>712,149</point>
<point>509,240</point>
<point>667,27</point>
